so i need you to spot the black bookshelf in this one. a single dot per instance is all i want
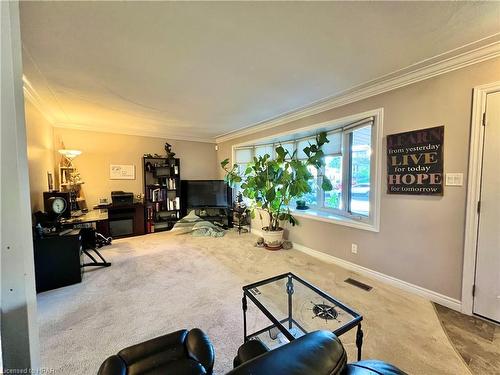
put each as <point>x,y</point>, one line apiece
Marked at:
<point>162,193</point>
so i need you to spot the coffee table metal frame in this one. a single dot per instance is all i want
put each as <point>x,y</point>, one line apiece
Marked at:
<point>356,322</point>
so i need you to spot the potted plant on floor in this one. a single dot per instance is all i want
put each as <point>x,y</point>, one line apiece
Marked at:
<point>272,184</point>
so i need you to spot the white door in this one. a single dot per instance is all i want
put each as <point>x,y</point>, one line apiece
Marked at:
<point>487,283</point>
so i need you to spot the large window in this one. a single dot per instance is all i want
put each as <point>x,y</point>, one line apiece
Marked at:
<point>360,152</point>
<point>348,164</point>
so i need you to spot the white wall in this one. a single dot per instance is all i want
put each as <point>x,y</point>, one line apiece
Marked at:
<point>19,331</point>
<point>40,141</point>
<point>99,150</point>
<point>421,237</point>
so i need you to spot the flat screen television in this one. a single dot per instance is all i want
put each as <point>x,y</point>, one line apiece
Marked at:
<point>206,193</point>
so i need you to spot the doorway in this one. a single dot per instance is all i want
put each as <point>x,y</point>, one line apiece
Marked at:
<point>481,279</point>
<point>487,278</point>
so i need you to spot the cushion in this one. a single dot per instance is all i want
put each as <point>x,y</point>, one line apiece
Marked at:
<point>372,367</point>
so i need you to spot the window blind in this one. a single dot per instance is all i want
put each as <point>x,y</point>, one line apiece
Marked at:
<point>243,155</point>
<point>289,146</point>
<point>264,149</point>
<point>358,124</point>
<point>363,136</point>
<point>301,144</point>
<point>334,147</point>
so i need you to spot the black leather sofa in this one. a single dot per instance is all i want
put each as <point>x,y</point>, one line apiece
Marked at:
<point>317,353</point>
<point>181,352</point>
<point>191,353</point>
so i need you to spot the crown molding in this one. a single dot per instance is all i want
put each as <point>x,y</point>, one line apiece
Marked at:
<point>31,95</point>
<point>441,64</point>
<point>435,66</point>
<point>135,132</point>
<point>34,98</point>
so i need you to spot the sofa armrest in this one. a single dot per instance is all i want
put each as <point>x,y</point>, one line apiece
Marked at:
<point>318,352</point>
<point>113,365</point>
<point>200,348</point>
<point>248,351</point>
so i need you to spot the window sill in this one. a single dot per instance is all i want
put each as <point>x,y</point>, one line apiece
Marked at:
<point>328,217</point>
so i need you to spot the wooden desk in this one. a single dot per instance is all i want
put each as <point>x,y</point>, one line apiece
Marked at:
<point>86,222</point>
<point>90,217</point>
<point>97,216</point>
<point>104,218</point>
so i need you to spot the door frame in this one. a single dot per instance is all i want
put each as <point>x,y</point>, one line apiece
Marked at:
<point>473,192</point>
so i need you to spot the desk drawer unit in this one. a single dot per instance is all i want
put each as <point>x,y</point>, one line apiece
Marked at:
<point>58,261</point>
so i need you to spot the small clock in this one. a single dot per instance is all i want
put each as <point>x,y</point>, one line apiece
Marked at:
<point>58,205</point>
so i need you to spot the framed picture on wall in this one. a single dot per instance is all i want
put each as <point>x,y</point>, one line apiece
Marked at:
<point>415,162</point>
<point>121,172</point>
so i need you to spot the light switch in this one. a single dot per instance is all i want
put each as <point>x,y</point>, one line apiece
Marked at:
<point>454,179</point>
<point>354,248</point>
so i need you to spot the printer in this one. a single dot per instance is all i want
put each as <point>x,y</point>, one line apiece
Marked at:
<point>122,198</point>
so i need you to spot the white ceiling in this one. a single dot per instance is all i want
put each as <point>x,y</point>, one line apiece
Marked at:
<point>202,69</point>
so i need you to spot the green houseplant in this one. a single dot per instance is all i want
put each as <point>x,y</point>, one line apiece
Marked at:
<point>272,184</point>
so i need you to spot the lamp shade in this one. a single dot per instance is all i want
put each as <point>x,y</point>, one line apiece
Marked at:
<point>70,154</point>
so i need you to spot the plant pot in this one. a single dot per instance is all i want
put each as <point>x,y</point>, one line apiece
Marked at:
<point>272,239</point>
<point>301,205</point>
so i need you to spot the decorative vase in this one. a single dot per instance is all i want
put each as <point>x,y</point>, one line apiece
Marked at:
<point>273,239</point>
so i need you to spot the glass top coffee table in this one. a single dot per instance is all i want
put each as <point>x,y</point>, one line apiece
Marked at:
<point>294,307</point>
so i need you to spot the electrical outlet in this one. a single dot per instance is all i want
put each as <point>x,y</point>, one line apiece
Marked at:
<point>354,248</point>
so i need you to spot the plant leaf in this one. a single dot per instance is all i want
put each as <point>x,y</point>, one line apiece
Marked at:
<point>280,151</point>
<point>270,195</point>
<point>326,185</point>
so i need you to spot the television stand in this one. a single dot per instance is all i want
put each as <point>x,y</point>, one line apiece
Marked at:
<point>220,216</point>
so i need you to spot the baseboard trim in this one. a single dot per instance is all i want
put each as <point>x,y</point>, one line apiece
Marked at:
<point>430,295</point>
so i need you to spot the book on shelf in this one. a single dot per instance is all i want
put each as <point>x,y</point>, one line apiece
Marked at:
<point>173,204</point>
<point>171,184</point>
<point>156,195</point>
<point>149,213</point>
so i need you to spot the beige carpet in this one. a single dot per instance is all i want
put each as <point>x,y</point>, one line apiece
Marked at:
<point>161,282</point>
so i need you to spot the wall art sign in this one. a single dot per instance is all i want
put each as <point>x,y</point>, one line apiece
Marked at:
<point>121,172</point>
<point>415,162</point>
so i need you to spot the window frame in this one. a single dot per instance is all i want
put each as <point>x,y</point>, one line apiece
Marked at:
<point>333,215</point>
<point>347,179</point>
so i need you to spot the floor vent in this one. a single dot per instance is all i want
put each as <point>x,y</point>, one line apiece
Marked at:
<point>358,284</point>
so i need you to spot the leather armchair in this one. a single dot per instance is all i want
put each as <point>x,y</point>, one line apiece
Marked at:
<point>317,353</point>
<point>183,352</point>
